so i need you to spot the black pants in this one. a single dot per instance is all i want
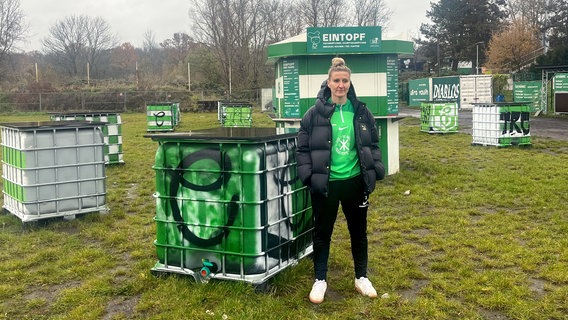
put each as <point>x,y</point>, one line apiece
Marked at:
<point>350,194</point>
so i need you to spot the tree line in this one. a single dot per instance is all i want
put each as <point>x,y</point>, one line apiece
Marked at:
<point>226,49</point>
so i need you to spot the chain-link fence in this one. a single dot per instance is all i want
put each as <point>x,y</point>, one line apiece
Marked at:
<point>128,101</point>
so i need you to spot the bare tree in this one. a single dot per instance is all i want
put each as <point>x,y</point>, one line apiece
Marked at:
<point>77,40</point>
<point>12,26</point>
<point>149,41</point>
<point>371,13</point>
<point>236,31</point>
<point>282,20</point>
<point>239,31</point>
<point>66,43</point>
<point>152,58</point>
<point>335,13</point>
<point>99,39</point>
<point>176,51</point>
<point>178,46</point>
<point>324,13</point>
<point>212,26</point>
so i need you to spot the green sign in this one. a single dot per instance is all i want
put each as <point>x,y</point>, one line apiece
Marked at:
<point>561,82</point>
<point>418,91</point>
<point>392,84</point>
<point>291,83</point>
<point>527,91</point>
<point>343,39</point>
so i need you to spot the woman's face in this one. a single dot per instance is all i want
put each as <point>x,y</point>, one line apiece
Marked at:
<point>339,84</point>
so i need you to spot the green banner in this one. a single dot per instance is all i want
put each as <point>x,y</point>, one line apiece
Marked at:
<point>343,39</point>
<point>527,91</point>
<point>561,82</point>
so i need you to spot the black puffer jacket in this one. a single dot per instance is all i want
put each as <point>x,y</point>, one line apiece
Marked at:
<point>315,141</point>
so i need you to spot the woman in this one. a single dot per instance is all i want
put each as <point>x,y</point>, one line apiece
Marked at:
<point>340,161</point>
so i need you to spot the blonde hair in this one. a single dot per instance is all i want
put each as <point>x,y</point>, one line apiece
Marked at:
<point>338,64</point>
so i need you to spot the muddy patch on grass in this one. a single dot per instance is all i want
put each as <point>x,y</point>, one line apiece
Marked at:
<point>413,292</point>
<point>537,286</point>
<point>49,293</point>
<point>121,306</point>
<point>492,315</point>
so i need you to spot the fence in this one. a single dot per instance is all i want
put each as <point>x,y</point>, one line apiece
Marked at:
<point>128,101</point>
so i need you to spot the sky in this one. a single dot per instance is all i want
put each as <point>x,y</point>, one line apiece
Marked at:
<point>407,17</point>
<point>131,19</point>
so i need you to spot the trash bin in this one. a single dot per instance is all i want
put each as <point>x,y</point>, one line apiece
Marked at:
<point>112,130</point>
<point>160,116</point>
<point>53,169</point>
<point>501,124</point>
<point>229,204</point>
<point>438,117</point>
<point>235,114</point>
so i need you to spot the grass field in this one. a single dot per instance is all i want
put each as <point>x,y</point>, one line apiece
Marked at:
<point>461,232</point>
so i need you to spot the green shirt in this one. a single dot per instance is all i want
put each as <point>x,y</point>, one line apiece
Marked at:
<point>344,159</point>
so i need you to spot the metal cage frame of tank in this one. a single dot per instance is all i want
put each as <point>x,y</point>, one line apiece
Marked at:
<point>53,169</point>
<point>255,222</point>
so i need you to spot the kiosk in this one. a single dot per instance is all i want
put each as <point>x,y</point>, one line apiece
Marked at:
<point>302,63</point>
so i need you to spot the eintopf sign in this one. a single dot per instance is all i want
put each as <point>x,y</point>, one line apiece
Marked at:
<point>343,39</point>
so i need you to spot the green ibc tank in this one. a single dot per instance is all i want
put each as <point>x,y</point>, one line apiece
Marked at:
<point>230,197</point>
<point>236,115</point>
<point>160,116</point>
<point>438,117</point>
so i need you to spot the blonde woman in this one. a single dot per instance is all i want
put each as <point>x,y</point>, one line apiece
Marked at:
<point>339,160</point>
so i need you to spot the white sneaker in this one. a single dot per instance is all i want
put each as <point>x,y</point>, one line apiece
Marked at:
<point>364,286</point>
<point>318,291</point>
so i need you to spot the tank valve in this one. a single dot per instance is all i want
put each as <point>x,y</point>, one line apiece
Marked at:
<point>208,268</point>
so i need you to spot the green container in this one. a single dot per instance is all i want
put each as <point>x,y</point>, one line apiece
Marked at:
<point>53,169</point>
<point>501,124</point>
<point>236,114</point>
<point>112,130</point>
<point>161,116</point>
<point>229,200</point>
<point>438,117</point>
